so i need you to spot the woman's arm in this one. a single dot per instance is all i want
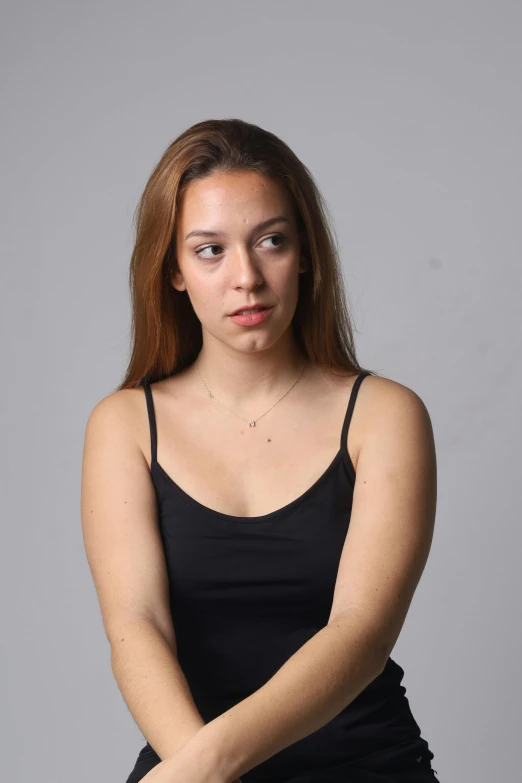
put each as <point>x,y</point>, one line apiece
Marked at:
<point>126,558</point>
<point>386,549</point>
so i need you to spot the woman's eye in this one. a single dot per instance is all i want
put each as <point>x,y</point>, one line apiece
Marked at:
<point>279,237</point>
<point>208,247</point>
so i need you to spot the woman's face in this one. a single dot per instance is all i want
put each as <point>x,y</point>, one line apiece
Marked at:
<point>228,260</point>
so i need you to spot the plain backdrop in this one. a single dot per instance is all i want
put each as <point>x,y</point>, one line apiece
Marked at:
<point>409,116</point>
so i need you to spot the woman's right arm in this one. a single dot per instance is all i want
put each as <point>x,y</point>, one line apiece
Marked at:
<point>126,558</point>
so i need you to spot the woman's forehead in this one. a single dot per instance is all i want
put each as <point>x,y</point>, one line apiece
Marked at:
<point>241,196</point>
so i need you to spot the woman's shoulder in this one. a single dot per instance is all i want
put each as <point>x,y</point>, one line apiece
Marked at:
<point>380,388</point>
<point>122,415</point>
<point>128,401</point>
<point>389,410</point>
<point>380,401</point>
<point>119,405</point>
<point>374,387</point>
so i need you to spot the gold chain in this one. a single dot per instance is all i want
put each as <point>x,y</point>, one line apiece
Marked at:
<point>251,422</point>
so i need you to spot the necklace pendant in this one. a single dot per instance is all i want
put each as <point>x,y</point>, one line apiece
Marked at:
<point>252,423</point>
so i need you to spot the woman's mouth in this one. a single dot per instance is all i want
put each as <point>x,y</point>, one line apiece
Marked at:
<point>251,317</point>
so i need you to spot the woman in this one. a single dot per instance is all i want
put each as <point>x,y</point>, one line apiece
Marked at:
<point>251,586</point>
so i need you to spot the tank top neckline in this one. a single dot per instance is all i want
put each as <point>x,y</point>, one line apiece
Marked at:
<point>342,455</point>
<point>287,508</point>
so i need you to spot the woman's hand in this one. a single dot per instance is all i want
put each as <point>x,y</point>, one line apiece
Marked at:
<point>166,772</point>
<point>194,762</point>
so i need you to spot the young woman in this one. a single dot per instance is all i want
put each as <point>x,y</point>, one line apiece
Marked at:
<point>257,508</point>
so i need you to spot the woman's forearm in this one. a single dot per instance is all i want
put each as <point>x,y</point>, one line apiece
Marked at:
<point>153,686</point>
<point>308,691</point>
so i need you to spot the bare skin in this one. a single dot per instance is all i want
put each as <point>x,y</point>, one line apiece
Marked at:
<point>229,467</point>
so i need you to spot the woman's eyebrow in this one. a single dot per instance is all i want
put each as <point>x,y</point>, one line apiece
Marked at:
<point>259,227</point>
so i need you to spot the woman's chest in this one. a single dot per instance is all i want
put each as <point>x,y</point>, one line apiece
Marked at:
<point>239,471</point>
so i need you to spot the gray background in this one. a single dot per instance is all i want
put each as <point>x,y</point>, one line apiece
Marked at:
<point>409,116</point>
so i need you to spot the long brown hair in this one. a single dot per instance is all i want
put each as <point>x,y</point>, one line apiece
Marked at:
<point>166,334</point>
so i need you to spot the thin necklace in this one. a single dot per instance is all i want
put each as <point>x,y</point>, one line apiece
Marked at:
<point>252,422</point>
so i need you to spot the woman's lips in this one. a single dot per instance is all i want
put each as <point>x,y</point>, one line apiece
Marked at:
<point>253,318</point>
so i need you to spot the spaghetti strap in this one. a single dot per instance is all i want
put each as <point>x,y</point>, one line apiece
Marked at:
<point>152,423</point>
<point>349,410</point>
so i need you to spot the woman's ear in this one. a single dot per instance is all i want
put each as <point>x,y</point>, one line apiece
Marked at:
<point>176,279</point>
<point>172,266</point>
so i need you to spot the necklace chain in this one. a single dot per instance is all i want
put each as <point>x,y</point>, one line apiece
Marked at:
<point>251,422</point>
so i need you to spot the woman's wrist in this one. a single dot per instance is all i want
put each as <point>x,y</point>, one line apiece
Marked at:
<point>210,748</point>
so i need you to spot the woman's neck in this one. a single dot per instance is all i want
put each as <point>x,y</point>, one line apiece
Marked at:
<point>246,380</point>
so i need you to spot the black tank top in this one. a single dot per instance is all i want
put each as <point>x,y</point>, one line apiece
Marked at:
<point>247,592</point>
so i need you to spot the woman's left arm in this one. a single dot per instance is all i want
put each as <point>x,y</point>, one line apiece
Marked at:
<point>385,552</point>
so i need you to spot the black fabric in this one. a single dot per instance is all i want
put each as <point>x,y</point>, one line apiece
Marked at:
<point>247,592</point>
